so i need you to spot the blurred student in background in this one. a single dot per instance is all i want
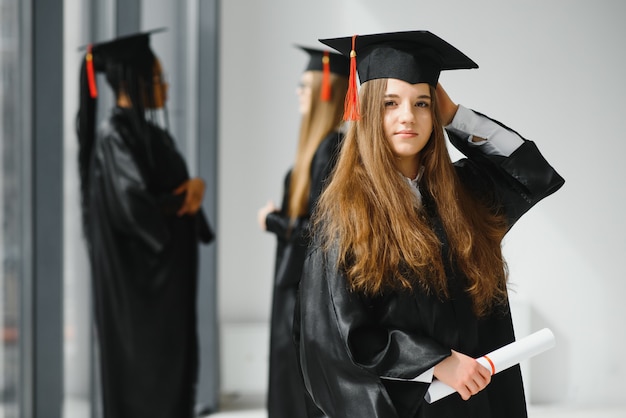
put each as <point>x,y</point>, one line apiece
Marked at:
<point>321,94</point>
<point>142,222</point>
<point>405,281</point>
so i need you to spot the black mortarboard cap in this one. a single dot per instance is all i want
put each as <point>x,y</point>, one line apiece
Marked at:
<point>327,62</point>
<point>126,49</point>
<point>122,49</point>
<point>338,64</point>
<point>411,56</point>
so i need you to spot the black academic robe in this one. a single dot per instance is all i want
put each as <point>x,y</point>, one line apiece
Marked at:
<point>357,352</point>
<point>144,266</point>
<point>286,394</point>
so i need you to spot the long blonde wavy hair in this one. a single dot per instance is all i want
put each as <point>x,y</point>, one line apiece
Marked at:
<point>323,118</point>
<point>384,238</point>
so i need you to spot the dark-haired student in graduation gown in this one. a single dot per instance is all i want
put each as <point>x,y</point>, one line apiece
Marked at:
<point>321,94</point>
<point>143,223</point>
<point>405,280</point>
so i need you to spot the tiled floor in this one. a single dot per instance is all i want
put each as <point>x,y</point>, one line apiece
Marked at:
<point>250,406</point>
<point>241,406</point>
<point>534,412</point>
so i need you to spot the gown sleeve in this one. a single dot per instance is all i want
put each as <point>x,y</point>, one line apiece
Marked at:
<point>350,349</point>
<point>278,222</point>
<point>517,181</point>
<point>131,207</point>
<point>290,240</point>
<point>293,238</point>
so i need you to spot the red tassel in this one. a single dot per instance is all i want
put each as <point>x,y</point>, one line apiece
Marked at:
<point>351,106</point>
<point>91,75</point>
<point>325,93</point>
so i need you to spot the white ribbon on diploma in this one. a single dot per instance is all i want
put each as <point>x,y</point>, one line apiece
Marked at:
<point>501,359</point>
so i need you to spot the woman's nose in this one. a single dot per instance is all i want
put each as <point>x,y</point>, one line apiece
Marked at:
<point>406,114</point>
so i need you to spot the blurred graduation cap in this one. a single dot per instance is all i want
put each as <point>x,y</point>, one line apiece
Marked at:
<point>411,56</point>
<point>337,63</point>
<point>123,50</point>
<point>327,62</point>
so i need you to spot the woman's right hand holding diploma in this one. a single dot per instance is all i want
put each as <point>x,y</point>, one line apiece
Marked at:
<point>463,373</point>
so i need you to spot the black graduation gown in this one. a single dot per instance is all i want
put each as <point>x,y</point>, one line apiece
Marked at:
<point>347,342</point>
<point>144,267</point>
<point>286,394</point>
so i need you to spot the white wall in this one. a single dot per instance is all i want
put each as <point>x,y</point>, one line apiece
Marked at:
<point>551,69</point>
<point>77,313</point>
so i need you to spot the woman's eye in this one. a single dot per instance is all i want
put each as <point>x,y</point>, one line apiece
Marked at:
<point>389,103</point>
<point>422,104</point>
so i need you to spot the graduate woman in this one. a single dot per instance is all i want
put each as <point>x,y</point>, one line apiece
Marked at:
<point>143,222</point>
<point>406,281</point>
<point>321,93</point>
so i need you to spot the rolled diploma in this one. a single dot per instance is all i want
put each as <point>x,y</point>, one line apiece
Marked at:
<point>502,358</point>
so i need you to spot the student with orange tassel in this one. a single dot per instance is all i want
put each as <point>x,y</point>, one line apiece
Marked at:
<point>143,223</point>
<point>321,94</point>
<point>405,280</point>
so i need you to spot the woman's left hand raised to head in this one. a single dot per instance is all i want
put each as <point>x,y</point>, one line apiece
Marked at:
<point>447,108</point>
<point>194,189</point>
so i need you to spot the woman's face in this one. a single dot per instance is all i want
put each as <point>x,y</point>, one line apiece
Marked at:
<point>304,92</point>
<point>407,119</point>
